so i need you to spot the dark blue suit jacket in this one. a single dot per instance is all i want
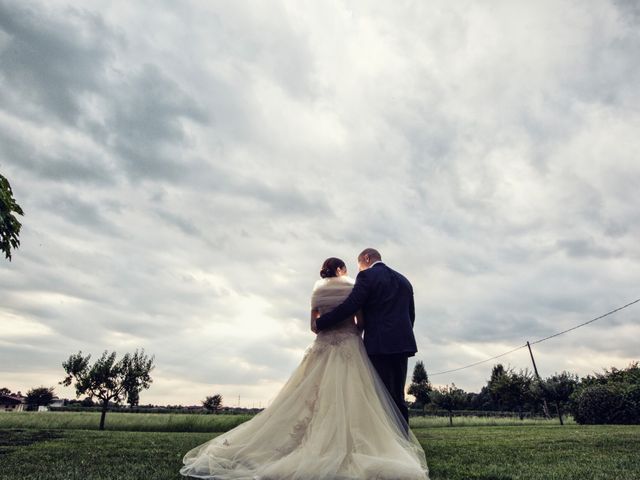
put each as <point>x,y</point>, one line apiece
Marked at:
<point>386,300</point>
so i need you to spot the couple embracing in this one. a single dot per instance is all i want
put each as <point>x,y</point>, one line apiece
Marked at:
<point>341,415</point>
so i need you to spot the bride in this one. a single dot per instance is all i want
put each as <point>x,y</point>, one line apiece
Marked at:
<point>333,419</point>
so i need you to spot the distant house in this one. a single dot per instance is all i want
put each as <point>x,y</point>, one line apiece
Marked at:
<point>57,402</point>
<point>12,403</point>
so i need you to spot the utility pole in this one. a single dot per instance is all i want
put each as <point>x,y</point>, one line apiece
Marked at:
<point>545,407</point>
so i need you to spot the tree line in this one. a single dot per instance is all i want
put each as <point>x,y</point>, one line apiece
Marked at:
<point>107,382</point>
<point>609,397</point>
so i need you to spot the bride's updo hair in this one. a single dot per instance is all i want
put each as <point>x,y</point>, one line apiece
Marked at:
<point>330,266</point>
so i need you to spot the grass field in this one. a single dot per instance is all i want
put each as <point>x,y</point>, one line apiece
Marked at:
<point>503,452</point>
<point>139,422</point>
<point>185,422</point>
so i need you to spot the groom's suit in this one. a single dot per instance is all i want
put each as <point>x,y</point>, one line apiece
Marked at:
<point>386,300</point>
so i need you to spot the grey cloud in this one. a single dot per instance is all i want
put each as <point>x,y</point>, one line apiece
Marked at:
<point>52,62</point>
<point>211,363</point>
<point>290,200</point>
<point>498,326</point>
<point>74,209</point>
<point>581,247</point>
<point>65,165</point>
<point>52,58</point>
<point>146,121</point>
<point>33,356</point>
<point>180,222</point>
<point>281,199</point>
<point>629,9</point>
<point>265,38</point>
<point>470,265</point>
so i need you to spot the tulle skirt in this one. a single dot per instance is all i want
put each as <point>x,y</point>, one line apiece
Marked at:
<point>333,419</point>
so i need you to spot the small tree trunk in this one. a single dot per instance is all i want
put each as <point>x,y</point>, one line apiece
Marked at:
<point>559,413</point>
<point>105,404</point>
<point>450,418</point>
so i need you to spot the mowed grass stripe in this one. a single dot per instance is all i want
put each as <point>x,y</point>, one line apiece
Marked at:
<point>464,453</point>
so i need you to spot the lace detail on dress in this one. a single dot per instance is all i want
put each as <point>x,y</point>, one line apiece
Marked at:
<point>299,430</point>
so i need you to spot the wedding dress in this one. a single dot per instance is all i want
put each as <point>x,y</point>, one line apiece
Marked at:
<point>333,419</point>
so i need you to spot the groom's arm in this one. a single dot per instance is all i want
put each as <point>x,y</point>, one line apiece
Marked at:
<point>412,304</point>
<point>349,307</point>
<point>412,311</point>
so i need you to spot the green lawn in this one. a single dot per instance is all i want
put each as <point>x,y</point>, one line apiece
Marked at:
<point>533,452</point>
<point>478,453</point>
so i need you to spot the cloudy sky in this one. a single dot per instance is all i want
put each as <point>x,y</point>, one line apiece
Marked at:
<point>185,168</point>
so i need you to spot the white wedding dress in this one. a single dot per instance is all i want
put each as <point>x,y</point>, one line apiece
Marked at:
<point>333,419</point>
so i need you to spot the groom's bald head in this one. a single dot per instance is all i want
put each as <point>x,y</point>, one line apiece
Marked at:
<point>367,257</point>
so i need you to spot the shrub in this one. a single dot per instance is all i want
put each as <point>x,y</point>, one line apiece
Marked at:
<point>631,410</point>
<point>607,404</point>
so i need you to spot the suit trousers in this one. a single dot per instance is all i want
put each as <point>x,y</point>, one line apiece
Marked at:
<point>392,369</point>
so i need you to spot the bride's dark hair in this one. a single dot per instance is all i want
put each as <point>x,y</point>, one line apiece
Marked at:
<point>330,266</point>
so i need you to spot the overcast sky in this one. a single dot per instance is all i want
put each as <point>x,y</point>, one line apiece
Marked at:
<point>186,167</point>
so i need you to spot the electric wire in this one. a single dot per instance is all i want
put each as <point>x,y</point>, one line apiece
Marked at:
<point>537,341</point>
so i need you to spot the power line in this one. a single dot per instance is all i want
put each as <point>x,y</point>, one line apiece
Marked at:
<point>477,363</point>
<point>537,341</point>
<point>586,323</point>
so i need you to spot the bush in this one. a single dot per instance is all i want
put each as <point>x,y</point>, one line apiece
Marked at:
<point>607,404</point>
<point>631,411</point>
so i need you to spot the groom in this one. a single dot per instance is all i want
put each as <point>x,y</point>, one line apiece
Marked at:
<point>386,300</point>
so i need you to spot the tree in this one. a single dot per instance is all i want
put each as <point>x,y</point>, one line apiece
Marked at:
<point>5,391</point>
<point>212,403</point>
<point>510,389</point>
<point>558,389</point>
<point>482,400</point>
<point>108,380</point>
<point>134,398</point>
<point>39,396</point>
<point>9,224</point>
<point>448,398</point>
<point>496,373</point>
<point>420,386</point>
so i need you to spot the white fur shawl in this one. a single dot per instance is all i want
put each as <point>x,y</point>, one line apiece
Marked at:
<point>328,293</point>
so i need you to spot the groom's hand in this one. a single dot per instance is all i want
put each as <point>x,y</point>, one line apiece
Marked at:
<point>314,316</point>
